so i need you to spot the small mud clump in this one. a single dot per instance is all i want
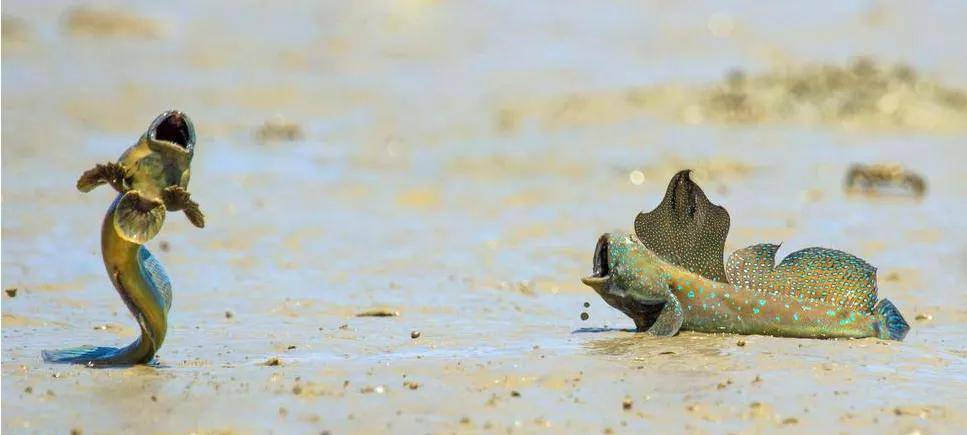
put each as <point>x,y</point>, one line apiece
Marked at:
<point>278,129</point>
<point>584,316</point>
<point>83,21</point>
<point>272,362</point>
<point>11,292</point>
<point>378,312</point>
<point>415,334</point>
<point>883,178</point>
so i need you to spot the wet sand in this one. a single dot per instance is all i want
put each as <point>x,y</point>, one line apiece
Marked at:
<point>455,163</point>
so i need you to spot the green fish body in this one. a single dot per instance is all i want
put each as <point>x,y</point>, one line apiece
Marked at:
<point>812,293</point>
<point>150,177</point>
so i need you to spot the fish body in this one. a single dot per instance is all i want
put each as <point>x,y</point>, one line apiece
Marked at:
<point>813,293</point>
<point>151,176</point>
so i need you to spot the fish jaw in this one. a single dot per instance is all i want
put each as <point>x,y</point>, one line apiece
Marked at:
<point>615,280</point>
<point>162,156</point>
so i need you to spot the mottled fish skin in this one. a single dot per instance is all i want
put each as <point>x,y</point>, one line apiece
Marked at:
<point>671,275</point>
<point>148,176</point>
<point>712,306</point>
<point>686,229</point>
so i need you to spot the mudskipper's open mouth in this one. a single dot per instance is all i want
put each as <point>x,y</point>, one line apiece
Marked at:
<point>175,127</point>
<point>600,271</point>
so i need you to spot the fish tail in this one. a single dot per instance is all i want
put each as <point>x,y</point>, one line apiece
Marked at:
<point>890,324</point>
<point>89,355</point>
<point>94,356</point>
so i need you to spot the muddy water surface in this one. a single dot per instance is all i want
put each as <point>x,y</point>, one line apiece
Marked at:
<point>455,163</point>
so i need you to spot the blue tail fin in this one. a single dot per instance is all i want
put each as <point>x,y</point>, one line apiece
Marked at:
<point>89,355</point>
<point>891,325</point>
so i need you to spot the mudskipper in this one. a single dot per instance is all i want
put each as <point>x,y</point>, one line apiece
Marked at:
<point>670,276</point>
<point>151,176</point>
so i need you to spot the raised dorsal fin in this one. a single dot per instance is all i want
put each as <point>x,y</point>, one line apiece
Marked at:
<point>827,275</point>
<point>686,229</point>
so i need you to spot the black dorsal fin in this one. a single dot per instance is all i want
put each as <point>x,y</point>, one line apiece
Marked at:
<point>686,229</point>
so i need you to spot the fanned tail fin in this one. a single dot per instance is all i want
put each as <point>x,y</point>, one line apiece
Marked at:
<point>100,356</point>
<point>890,325</point>
<point>89,355</point>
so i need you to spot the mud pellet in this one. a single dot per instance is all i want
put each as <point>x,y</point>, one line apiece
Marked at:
<point>415,334</point>
<point>584,316</point>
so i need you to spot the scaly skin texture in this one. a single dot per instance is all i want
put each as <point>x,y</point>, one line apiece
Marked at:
<point>150,176</point>
<point>712,306</point>
<point>671,276</point>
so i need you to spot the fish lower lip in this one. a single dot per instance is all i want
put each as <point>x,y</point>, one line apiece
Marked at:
<point>593,279</point>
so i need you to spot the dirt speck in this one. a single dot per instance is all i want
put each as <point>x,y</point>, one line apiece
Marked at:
<point>379,312</point>
<point>584,316</point>
<point>415,334</point>
<point>11,292</point>
<point>278,129</point>
<point>272,362</point>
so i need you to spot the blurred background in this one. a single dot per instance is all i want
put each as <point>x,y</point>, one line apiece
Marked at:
<point>453,163</point>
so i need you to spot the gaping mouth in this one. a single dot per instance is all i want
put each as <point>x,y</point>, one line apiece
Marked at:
<point>600,271</point>
<point>174,127</point>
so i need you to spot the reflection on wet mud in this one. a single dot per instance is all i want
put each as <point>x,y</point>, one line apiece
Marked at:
<point>642,345</point>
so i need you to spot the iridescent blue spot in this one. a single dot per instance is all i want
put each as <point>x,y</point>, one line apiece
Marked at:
<point>795,316</point>
<point>762,302</point>
<point>691,294</point>
<point>711,295</point>
<point>755,310</point>
<point>830,312</point>
<point>701,290</point>
<point>777,319</point>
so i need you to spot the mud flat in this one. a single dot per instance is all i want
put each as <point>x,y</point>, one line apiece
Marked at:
<point>439,176</point>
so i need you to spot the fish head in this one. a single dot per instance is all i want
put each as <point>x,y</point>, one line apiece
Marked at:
<point>628,277</point>
<point>162,157</point>
<point>172,132</point>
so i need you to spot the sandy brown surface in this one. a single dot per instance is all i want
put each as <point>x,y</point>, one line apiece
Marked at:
<point>455,162</point>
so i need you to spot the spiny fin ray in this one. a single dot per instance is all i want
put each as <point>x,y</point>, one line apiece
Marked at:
<point>686,229</point>
<point>821,274</point>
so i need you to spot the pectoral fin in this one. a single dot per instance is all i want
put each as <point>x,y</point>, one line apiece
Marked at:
<point>177,198</point>
<point>669,320</point>
<point>138,219</point>
<point>110,173</point>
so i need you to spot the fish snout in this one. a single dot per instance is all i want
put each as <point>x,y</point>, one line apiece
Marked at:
<point>175,127</point>
<point>601,270</point>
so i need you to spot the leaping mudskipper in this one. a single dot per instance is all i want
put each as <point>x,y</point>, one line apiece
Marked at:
<point>151,176</point>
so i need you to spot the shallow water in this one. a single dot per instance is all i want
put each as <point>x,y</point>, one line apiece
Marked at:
<point>459,161</point>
